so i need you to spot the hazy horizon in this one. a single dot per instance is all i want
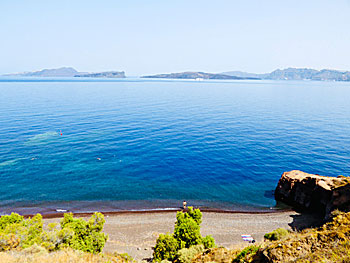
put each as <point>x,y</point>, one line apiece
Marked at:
<point>162,37</point>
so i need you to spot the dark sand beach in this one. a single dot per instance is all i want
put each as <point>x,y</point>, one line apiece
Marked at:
<point>136,233</point>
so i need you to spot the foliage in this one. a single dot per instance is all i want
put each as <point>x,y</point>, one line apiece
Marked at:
<point>10,220</point>
<point>81,235</point>
<point>276,234</point>
<point>185,255</point>
<point>246,254</point>
<point>124,257</point>
<point>328,243</point>
<point>16,232</point>
<point>166,247</point>
<point>187,231</point>
<point>186,234</point>
<point>208,242</point>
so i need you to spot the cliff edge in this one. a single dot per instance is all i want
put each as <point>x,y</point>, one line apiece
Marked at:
<point>312,192</point>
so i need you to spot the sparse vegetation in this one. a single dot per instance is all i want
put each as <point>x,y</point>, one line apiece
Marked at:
<point>246,255</point>
<point>328,243</point>
<point>220,254</point>
<point>185,255</point>
<point>276,234</point>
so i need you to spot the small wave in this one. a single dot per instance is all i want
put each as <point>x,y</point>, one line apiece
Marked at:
<point>41,138</point>
<point>10,162</point>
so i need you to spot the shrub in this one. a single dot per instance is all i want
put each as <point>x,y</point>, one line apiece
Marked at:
<point>186,234</point>
<point>124,257</point>
<point>10,220</point>
<point>185,255</point>
<point>82,235</point>
<point>187,231</point>
<point>15,232</point>
<point>166,248</point>
<point>246,253</point>
<point>276,234</point>
<point>208,242</point>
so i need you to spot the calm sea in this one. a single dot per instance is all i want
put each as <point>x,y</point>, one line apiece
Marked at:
<point>145,144</point>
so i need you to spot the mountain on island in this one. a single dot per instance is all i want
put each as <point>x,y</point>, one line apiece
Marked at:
<point>279,74</point>
<point>297,74</point>
<point>57,72</point>
<point>107,74</point>
<point>196,75</point>
<point>68,72</point>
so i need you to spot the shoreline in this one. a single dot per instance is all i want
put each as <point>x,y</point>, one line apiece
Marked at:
<point>136,232</point>
<point>158,211</point>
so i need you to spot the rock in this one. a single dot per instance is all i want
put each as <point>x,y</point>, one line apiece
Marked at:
<point>311,192</point>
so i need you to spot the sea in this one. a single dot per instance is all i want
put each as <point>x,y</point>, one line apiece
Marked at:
<point>135,144</point>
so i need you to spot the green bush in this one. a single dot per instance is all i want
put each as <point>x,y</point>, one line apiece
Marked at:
<point>186,234</point>
<point>187,231</point>
<point>208,242</point>
<point>16,232</point>
<point>82,235</point>
<point>166,248</point>
<point>248,252</point>
<point>185,255</point>
<point>10,220</point>
<point>276,234</point>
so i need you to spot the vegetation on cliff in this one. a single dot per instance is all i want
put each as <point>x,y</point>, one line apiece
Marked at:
<point>328,243</point>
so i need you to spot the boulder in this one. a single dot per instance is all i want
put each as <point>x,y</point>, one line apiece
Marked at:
<point>312,192</point>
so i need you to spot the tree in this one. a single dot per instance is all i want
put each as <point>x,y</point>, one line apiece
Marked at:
<point>186,234</point>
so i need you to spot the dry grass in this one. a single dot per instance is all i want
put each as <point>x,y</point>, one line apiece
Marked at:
<point>329,243</point>
<point>61,256</point>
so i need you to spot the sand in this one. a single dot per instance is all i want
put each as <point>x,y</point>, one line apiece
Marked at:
<point>136,234</point>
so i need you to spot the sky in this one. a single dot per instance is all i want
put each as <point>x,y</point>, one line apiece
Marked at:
<point>150,37</point>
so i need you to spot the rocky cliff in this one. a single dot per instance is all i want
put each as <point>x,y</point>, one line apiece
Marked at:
<point>311,192</point>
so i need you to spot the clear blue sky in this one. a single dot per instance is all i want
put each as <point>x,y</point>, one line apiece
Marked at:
<point>145,37</point>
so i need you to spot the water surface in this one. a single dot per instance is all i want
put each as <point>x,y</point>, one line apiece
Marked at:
<point>144,144</point>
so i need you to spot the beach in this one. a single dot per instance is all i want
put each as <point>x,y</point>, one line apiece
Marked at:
<point>136,233</point>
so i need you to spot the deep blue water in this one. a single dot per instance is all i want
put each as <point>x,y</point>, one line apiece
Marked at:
<point>218,144</point>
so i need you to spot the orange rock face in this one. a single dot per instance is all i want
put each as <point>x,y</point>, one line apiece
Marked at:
<point>311,192</point>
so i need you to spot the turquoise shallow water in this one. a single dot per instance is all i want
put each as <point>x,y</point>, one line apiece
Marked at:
<point>146,144</point>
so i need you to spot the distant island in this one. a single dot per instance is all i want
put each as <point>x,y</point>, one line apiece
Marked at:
<point>279,74</point>
<point>284,74</point>
<point>297,74</point>
<point>197,76</point>
<point>68,72</point>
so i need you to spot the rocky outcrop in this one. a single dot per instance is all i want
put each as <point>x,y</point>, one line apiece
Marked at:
<point>311,192</point>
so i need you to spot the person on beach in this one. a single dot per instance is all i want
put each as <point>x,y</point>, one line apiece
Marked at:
<point>184,204</point>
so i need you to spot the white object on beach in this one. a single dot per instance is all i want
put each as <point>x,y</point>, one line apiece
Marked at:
<point>247,238</point>
<point>61,210</point>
